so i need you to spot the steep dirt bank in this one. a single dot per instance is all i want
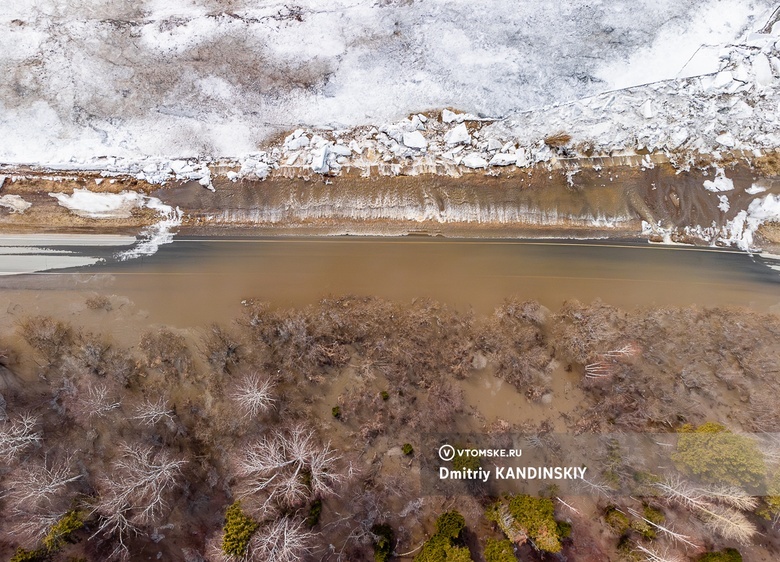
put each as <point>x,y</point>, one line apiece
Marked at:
<point>571,199</point>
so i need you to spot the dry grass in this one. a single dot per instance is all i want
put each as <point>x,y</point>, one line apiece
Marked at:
<point>557,140</point>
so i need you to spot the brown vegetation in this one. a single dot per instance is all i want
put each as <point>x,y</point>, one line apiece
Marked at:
<point>172,433</point>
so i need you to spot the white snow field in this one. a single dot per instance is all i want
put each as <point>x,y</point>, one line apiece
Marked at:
<point>89,81</point>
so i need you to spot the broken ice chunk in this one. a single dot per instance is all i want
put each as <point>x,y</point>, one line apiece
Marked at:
<point>415,139</point>
<point>474,160</point>
<point>457,135</point>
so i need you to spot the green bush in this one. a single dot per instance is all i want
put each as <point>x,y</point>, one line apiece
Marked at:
<point>62,531</point>
<point>383,542</point>
<point>407,449</point>
<point>536,516</point>
<point>728,555</point>
<point>336,411</point>
<point>442,547</point>
<point>23,555</point>
<point>464,462</point>
<point>450,524</point>
<point>238,531</point>
<point>499,551</point>
<point>385,395</point>
<point>315,510</point>
<point>564,529</point>
<point>643,528</point>
<point>719,456</point>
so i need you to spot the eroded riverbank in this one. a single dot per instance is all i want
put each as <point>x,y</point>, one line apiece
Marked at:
<point>657,202</point>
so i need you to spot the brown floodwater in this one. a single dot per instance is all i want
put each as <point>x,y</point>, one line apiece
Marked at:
<point>195,282</point>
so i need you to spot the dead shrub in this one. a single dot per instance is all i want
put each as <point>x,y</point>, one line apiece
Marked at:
<point>99,302</point>
<point>222,350</point>
<point>558,140</point>
<point>167,352</point>
<point>51,338</point>
<point>518,347</point>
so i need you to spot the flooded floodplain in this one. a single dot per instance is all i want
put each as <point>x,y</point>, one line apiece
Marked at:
<point>482,337</point>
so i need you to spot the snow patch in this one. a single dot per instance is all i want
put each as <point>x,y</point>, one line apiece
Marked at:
<point>741,230</point>
<point>15,203</point>
<point>88,204</point>
<point>720,183</point>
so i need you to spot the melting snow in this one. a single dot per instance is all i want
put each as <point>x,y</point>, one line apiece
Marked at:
<point>15,203</point>
<point>720,183</point>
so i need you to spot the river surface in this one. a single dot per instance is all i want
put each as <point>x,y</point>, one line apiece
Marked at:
<point>194,282</point>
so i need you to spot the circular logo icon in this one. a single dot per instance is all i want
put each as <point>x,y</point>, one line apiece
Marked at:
<point>446,452</point>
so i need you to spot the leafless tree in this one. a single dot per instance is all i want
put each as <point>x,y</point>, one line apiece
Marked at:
<point>253,395</point>
<point>97,401</point>
<point>718,508</point>
<point>283,540</point>
<point>16,435</point>
<point>151,412</point>
<point>570,507</point>
<point>599,369</point>
<point>221,349</point>
<point>667,531</point>
<point>37,497</point>
<point>508,524</point>
<point>134,494</point>
<point>287,469</point>
<point>627,350</point>
<point>657,556</point>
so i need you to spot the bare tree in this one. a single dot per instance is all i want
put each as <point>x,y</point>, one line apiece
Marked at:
<point>287,469</point>
<point>17,435</point>
<point>253,395</point>
<point>37,496</point>
<point>134,494</point>
<point>283,540</point>
<point>718,508</point>
<point>627,350</point>
<point>657,556</point>
<point>151,412</point>
<point>599,369</point>
<point>97,401</point>
<point>668,531</point>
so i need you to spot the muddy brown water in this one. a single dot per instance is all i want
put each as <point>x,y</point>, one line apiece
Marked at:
<point>194,282</point>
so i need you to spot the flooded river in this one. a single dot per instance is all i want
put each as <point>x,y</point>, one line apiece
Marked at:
<point>193,282</point>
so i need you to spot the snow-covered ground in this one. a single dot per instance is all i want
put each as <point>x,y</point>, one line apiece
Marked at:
<point>84,79</point>
<point>167,89</point>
